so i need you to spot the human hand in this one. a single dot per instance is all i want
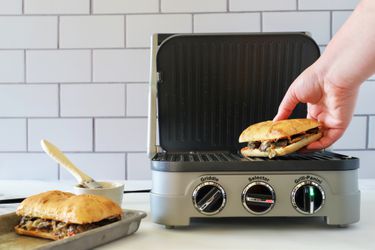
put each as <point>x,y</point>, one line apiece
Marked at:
<point>327,102</point>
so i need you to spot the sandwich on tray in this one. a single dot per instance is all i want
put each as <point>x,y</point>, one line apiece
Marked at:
<point>270,139</point>
<point>57,215</point>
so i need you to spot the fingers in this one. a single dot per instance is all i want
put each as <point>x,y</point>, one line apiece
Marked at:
<point>328,138</point>
<point>287,105</point>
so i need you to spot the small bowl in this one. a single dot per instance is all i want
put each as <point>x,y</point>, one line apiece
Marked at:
<point>111,190</point>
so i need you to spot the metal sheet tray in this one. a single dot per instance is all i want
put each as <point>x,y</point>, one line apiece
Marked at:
<point>87,240</point>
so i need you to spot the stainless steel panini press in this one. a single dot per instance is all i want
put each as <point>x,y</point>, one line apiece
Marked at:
<point>204,90</point>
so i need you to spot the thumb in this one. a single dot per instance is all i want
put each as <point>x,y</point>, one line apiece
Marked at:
<point>287,105</point>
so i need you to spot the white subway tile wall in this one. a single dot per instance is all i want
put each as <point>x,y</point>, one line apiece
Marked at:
<point>92,31</point>
<point>81,100</point>
<point>365,100</point>
<point>10,7</point>
<point>58,66</point>
<point>357,127</point>
<point>136,99</point>
<point>32,166</point>
<point>67,134</point>
<point>100,166</point>
<point>326,4</point>
<point>124,6</point>
<point>139,28</point>
<point>138,166</point>
<point>13,134</point>
<point>241,22</point>
<point>316,23</point>
<point>119,135</point>
<point>28,100</point>
<point>126,65</point>
<point>338,19</point>
<point>76,71</point>
<point>12,66</point>
<point>371,138</point>
<point>193,6</point>
<point>21,32</point>
<point>57,6</point>
<point>256,5</point>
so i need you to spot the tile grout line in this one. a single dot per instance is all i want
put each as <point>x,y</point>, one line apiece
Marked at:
<point>91,65</point>
<point>27,134</point>
<point>261,21</point>
<point>227,6</point>
<point>126,165</point>
<point>330,24</point>
<point>58,32</point>
<point>367,132</point>
<point>91,7</point>
<point>58,100</point>
<point>23,7</point>
<point>125,99</point>
<point>125,31</point>
<point>159,9</point>
<point>24,66</point>
<point>297,5</point>
<point>93,135</point>
<point>178,13</point>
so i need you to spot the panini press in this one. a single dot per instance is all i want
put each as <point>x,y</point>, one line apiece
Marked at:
<point>205,89</point>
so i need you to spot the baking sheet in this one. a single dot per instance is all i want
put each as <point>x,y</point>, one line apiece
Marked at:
<point>87,240</point>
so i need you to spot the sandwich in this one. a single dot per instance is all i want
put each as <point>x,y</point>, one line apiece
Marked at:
<point>57,215</point>
<point>270,139</point>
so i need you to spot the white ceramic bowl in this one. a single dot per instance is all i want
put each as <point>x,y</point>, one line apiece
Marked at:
<point>111,190</point>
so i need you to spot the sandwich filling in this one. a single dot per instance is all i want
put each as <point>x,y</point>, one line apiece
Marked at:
<point>60,229</point>
<point>269,145</point>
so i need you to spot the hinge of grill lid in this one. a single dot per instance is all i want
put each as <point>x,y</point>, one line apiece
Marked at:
<point>158,77</point>
<point>159,149</point>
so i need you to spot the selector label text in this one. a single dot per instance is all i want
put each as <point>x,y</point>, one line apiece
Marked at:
<point>209,178</point>
<point>308,178</point>
<point>258,178</point>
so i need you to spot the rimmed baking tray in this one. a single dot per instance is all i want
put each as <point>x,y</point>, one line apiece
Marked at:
<point>128,225</point>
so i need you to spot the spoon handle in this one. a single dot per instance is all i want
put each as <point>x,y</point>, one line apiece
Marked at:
<point>60,158</point>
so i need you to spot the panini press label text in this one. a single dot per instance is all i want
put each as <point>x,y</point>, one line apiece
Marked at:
<point>308,178</point>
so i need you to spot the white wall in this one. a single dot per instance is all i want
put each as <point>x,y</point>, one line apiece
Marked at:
<point>75,72</point>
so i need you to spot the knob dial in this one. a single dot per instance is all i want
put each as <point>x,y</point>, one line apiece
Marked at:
<point>258,197</point>
<point>209,198</point>
<point>308,197</point>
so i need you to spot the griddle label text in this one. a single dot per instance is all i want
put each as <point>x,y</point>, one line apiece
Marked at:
<point>209,178</point>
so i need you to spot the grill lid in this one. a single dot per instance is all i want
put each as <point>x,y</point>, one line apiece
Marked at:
<point>211,87</point>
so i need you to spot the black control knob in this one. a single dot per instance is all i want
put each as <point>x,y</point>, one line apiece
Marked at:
<point>308,197</point>
<point>209,198</point>
<point>258,197</point>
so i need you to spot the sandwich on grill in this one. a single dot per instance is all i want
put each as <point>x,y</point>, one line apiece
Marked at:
<point>270,139</point>
<point>57,215</point>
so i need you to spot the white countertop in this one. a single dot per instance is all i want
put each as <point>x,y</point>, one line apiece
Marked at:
<point>258,233</point>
